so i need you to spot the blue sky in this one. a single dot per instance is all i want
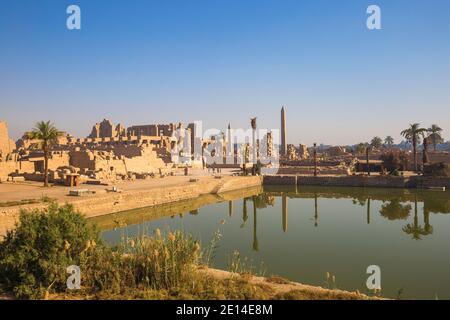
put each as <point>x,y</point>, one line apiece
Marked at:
<point>223,61</point>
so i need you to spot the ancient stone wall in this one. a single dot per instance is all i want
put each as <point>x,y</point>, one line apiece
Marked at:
<point>82,159</point>
<point>145,130</point>
<point>359,181</point>
<point>106,129</point>
<point>7,145</point>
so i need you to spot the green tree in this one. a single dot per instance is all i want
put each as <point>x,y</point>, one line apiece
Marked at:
<point>47,135</point>
<point>435,135</point>
<point>361,147</point>
<point>389,141</point>
<point>376,143</point>
<point>413,134</point>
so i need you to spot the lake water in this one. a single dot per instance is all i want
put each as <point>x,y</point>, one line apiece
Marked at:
<point>303,233</point>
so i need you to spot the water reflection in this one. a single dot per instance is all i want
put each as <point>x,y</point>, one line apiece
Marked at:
<point>415,230</point>
<point>284,212</point>
<point>395,210</point>
<point>255,237</point>
<point>396,205</point>
<point>244,213</point>
<point>230,208</point>
<point>316,212</point>
<point>403,231</point>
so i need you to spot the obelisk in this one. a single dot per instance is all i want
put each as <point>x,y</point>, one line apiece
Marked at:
<point>283,146</point>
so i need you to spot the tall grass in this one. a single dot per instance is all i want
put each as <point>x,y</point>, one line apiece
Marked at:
<point>162,262</point>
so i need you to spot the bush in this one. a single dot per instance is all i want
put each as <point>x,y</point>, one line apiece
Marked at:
<point>34,256</point>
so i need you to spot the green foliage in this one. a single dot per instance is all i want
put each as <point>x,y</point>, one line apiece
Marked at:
<point>389,141</point>
<point>361,147</point>
<point>34,256</point>
<point>435,135</point>
<point>413,132</point>
<point>376,143</point>
<point>46,134</point>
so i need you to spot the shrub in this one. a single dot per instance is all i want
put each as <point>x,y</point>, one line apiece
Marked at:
<point>34,256</point>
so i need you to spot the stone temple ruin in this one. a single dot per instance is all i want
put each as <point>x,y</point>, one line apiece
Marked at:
<point>109,153</point>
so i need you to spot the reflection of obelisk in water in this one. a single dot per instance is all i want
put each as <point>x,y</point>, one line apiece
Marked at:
<point>284,209</point>
<point>230,208</point>
<point>316,212</point>
<point>283,146</point>
<point>255,238</point>
<point>368,210</point>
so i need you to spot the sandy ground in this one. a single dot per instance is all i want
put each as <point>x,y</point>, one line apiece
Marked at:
<point>134,194</point>
<point>10,191</point>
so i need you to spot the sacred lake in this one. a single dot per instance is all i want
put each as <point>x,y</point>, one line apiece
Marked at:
<point>306,233</point>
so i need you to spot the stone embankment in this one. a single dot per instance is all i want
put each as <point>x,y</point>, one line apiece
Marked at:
<point>359,181</point>
<point>112,202</point>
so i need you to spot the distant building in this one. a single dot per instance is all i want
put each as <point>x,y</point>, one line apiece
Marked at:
<point>7,145</point>
<point>106,129</point>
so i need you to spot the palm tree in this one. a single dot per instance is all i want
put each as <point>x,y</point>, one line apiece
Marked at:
<point>435,135</point>
<point>361,147</point>
<point>413,135</point>
<point>389,141</point>
<point>47,135</point>
<point>376,142</point>
<point>414,229</point>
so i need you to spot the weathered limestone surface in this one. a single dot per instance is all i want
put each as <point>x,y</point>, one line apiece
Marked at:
<point>280,180</point>
<point>7,145</point>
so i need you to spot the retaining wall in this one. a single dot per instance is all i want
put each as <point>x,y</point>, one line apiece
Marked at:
<point>359,181</point>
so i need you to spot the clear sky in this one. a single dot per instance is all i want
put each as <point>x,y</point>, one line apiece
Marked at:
<point>220,61</point>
